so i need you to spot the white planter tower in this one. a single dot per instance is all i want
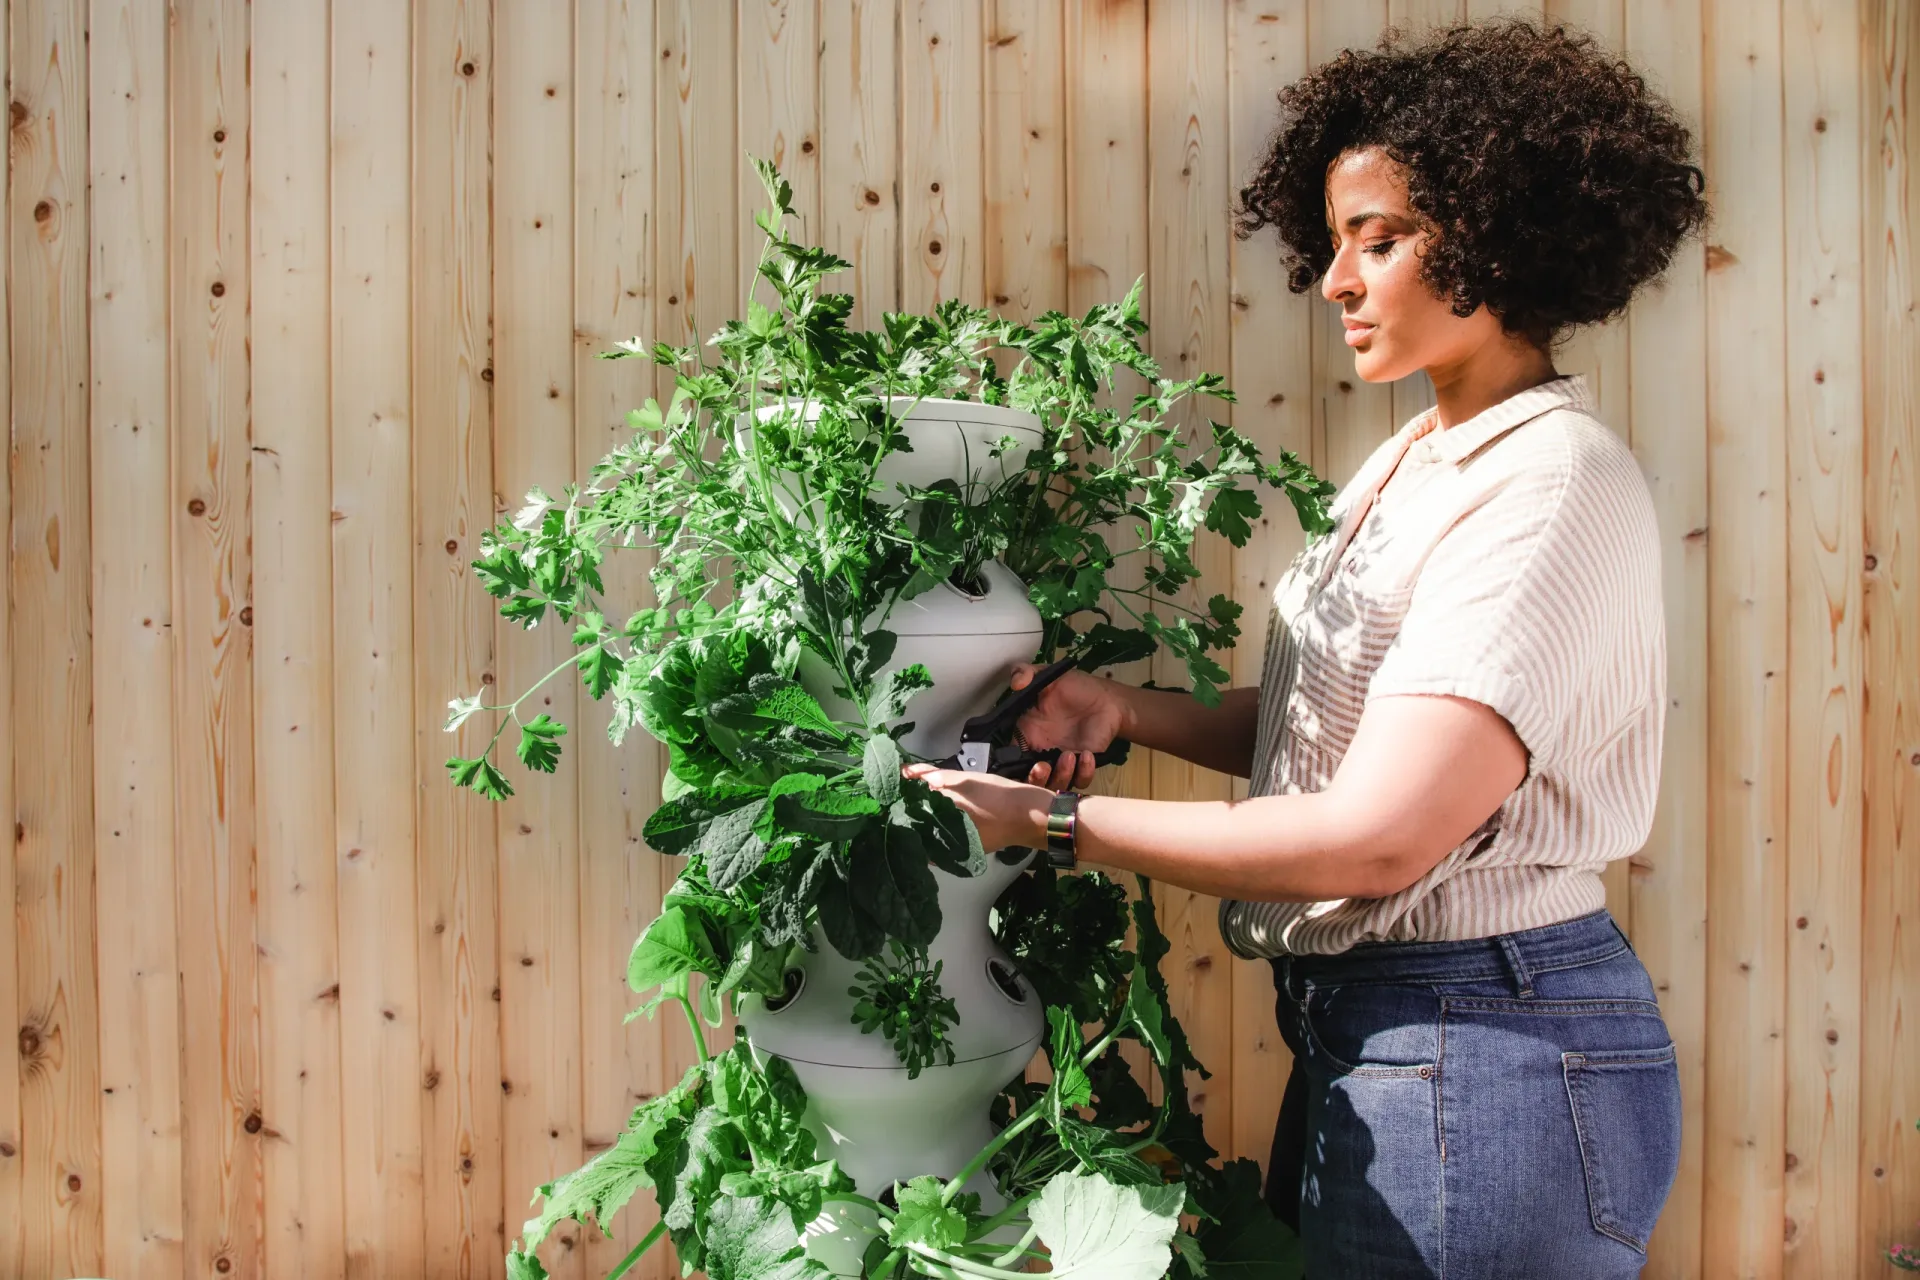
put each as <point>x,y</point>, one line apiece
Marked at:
<point>865,1112</point>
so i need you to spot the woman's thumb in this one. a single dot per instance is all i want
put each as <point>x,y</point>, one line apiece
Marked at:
<point>1022,675</point>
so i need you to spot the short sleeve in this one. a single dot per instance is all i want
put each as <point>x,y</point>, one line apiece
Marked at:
<point>1517,606</point>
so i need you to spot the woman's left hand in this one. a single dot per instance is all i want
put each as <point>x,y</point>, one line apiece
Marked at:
<point>1006,812</point>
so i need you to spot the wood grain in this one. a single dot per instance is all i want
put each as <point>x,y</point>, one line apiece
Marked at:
<point>465,1214</point>
<point>1667,411</point>
<point>779,78</point>
<point>1187,256</point>
<point>298,930</point>
<point>1747,685</point>
<point>942,170</point>
<point>1889,1171</point>
<point>213,642</point>
<point>54,850</point>
<point>12,1140</point>
<point>1272,351</point>
<point>539,828</point>
<point>129,404</point>
<point>380,1029</point>
<point>860,151</point>
<point>1825,430</point>
<point>620,878</point>
<point>1024,142</point>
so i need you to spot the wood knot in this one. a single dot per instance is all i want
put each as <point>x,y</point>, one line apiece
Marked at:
<point>1793,1162</point>
<point>1718,257</point>
<point>1820,124</point>
<point>73,1182</point>
<point>526,962</point>
<point>252,1124</point>
<point>506,1087</point>
<point>806,146</point>
<point>388,1014</point>
<point>19,113</point>
<point>246,616</point>
<point>223,1265</point>
<point>1000,299</point>
<point>453,546</point>
<point>219,135</point>
<point>935,247</point>
<point>466,68</point>
<point>29,1042</point>
<point>873,197</point>
<point>8,1150</point>
<point>935,188</point>
<point>196,507</point>
<point>42,211</point>
<point>486,374</point>
<point>432,1081</point>
<point>1801,923</point>
<point>1833,1037</point>
<point>219,289</point>
<point>1346,386</point>
<point>1872,562</point>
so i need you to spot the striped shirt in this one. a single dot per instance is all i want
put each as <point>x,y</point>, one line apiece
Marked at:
<point>1512,560</point>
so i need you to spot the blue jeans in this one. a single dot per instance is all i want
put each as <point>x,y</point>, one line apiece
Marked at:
<point>1501,1109</point>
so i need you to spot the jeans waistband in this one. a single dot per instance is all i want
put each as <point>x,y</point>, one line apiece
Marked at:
<point>1583,940</point>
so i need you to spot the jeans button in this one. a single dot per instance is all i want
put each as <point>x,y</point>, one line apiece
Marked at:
<point>1426,1073</point>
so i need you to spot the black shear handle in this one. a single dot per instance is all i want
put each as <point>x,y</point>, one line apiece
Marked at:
<point>1017,762</point>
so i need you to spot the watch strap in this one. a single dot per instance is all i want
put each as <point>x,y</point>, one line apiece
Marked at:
<point>1062,819</point>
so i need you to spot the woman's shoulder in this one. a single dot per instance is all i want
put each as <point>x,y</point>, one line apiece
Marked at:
<point>1571,454</point>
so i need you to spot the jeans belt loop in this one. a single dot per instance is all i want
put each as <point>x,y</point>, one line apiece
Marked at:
<point>1522,977</point>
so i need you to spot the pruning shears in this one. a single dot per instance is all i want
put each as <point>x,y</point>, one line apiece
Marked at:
<point>989,742</point>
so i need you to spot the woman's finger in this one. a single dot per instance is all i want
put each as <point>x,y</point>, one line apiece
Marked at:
<point>1084,778</point>
<point>1022,675</point>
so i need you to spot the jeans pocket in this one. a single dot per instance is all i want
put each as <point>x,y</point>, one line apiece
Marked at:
<point>1626,1116</point>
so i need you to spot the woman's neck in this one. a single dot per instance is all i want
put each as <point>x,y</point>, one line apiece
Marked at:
<point>1502,368</point>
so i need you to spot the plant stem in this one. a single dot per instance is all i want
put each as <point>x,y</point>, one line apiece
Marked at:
<point>647,1242</point>
<point>1007,1214</point>
<point>1014,1254</point>
<point>992,1149</point>
<point>693,1024</point>
<point>966,1266</point>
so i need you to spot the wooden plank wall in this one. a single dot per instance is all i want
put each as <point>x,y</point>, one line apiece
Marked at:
<point>299,296</point>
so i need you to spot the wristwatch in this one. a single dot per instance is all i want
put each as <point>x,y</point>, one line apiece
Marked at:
<point>1061,817</point>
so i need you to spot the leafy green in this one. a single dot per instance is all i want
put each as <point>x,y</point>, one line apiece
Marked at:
<point>752,1238</point>
<point>902,1000</point>
<point>1096,1229</point>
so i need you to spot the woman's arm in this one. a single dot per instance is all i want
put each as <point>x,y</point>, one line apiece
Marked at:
<point>1422,774</point>
<point>1172,721</point>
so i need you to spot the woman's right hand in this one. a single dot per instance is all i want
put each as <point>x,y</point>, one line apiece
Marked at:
<point>1079,713</point>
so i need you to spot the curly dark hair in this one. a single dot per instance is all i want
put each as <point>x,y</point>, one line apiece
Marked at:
<point>1553,181</point>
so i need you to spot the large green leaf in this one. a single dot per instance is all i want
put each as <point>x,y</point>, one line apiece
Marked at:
<point>675,943</point>
<point>880,768</point>
<point>730,848</point>
<point>829,814</point>
<point>1097,1230</point>
<point>752,1238</point>
<point>893,884</point>
<point>602,1187</point>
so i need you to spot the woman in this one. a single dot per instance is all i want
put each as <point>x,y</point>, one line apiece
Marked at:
<point>1459,720</point>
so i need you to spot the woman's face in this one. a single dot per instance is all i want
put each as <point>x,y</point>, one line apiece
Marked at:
<point>1394,322</point>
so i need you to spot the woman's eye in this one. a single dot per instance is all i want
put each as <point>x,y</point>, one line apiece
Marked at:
<point>1380,248</point>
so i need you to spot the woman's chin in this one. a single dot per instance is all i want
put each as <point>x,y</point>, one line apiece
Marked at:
<point>1374,365</point>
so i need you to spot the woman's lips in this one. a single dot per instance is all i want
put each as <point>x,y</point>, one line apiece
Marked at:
<point>1357,333</point>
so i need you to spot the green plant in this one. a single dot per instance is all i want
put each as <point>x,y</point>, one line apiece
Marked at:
<point>771,550</point>
<point>902,1001</point>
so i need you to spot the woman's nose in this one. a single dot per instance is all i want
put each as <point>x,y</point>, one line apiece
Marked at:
<point>1341,281</point>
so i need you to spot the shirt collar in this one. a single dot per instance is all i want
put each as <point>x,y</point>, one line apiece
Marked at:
<point>1455,444</point>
